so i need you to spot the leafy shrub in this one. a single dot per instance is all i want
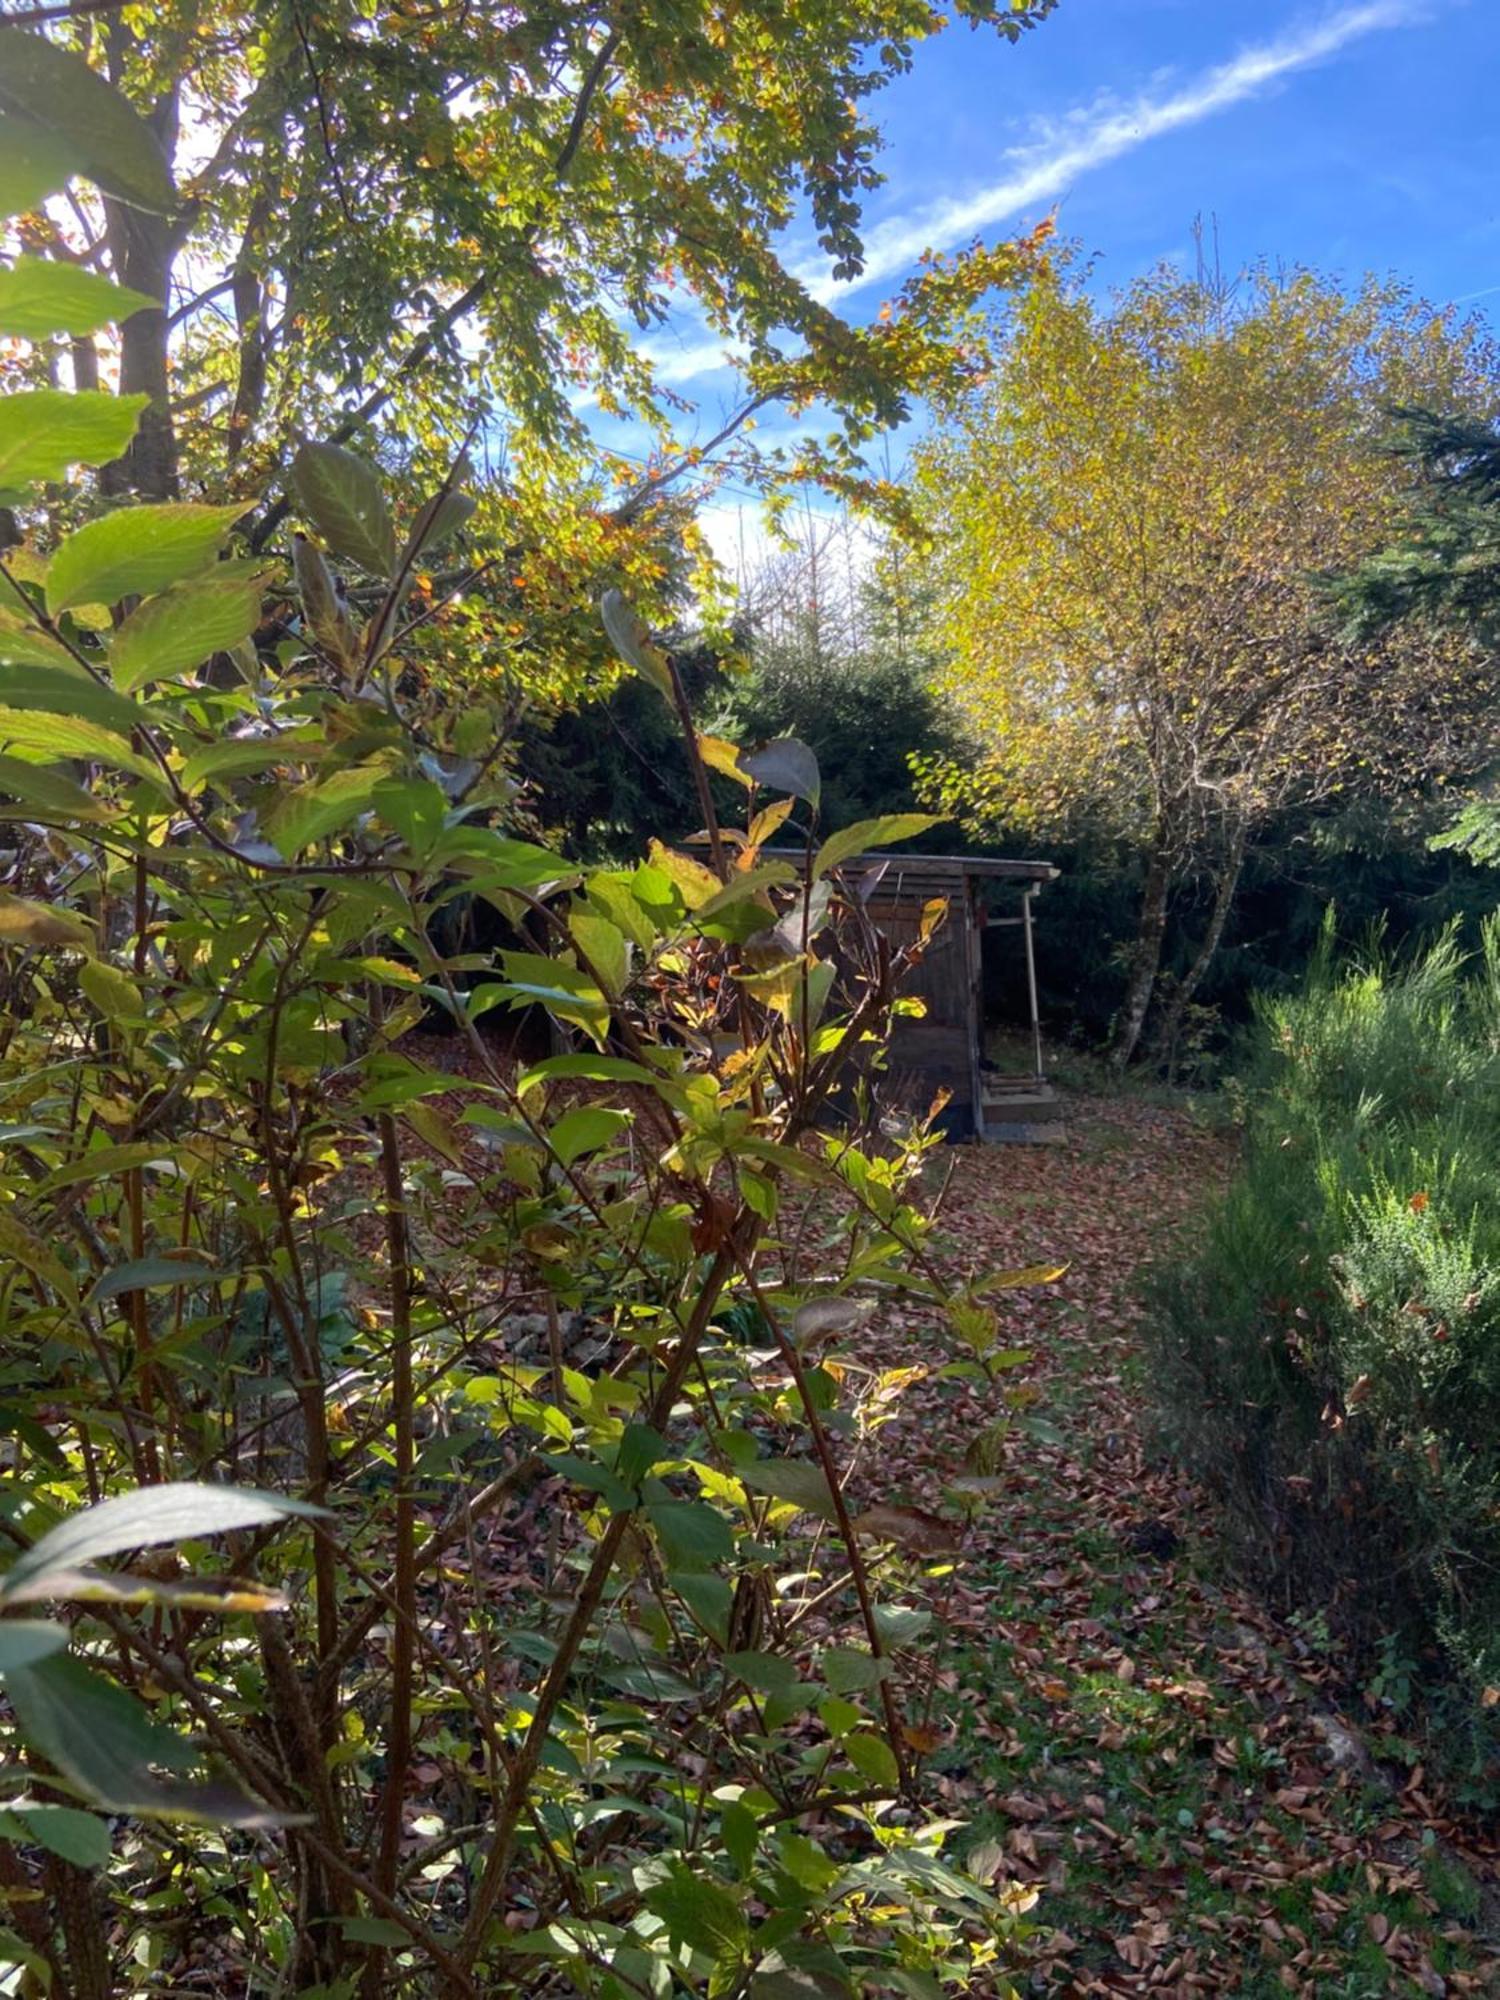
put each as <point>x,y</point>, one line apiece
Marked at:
<point>554,1659</point>
<point>1328,1357</point>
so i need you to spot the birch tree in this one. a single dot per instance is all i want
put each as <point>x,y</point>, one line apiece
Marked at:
<point>1127,521</point>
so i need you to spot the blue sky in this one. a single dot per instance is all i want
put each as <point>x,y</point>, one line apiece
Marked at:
<point>1353,135</point>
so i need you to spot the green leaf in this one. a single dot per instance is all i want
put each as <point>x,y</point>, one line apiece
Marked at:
<point>872,1757</point>
<point>806,1863</point>
<point>179,1511</point>
<point>639,1449</point>
<point>345,502</point>
<point>594,1069</point>
<point>24,1641</point>
<point>52,792</point>
<point>901,1624</point>
<point>184,626</point>
<point>71,736</point>
<point>561,989</point>
<point>740,1832</point>
<point>39,297</point>
<point>63,1830</point>
<point>838,1716</point>
<point>373,1930</point>
<point>767,1673</point>
<point>101,1163</point>
<point>136,551</point>
<point>494,861</point>
<point>24,643</point>
<point>33,164</point>
<point>415,808</point>
<point>42,926</point>
<point>883,832</point>
<point>790,1983</point>
<point>110,1747</point>
<point>62,687</point>
<point>19,1244</point>
<point>603,944</point>
<point>112,992</point>
<point>700,1913</point>
<point>150,1274</point>
<point>597,1478</point>
<point>692,1534</point>
<point>441,516</point>
<point>632,642</point>
<point>613,896</point>
<point>787,765</point>
<point>241,755</point>
<point>752,882</point>
<point>312,812</point>
<point>44,432</point>
<point>798,1480</point>
<point>56,91</point>
<point>451,512</point>
<point>652,1680</point>
<point>848,1669</point>
<point>708,1596</point>
<point>584,1130</point>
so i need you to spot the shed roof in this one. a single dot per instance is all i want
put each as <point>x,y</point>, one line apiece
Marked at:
<point>988,866</point>
<point>932,874</point>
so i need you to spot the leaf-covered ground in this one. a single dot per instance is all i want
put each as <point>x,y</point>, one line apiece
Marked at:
<point>1132,1734</point>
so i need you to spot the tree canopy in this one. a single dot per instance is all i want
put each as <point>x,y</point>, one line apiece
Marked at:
<point>1127,519</point>
<point>396,226</point>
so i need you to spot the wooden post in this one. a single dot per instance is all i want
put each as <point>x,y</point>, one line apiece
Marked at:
<point>1036,1018</point>
<point>973,905</point>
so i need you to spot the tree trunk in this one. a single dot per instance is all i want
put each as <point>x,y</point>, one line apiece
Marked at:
<point>142,248</point>
<point>249,313</point>
<point>142,251</point>
<point>1145,960</point>
<point>1224,893</point>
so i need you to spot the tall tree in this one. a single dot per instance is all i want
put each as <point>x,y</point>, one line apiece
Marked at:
<point>371,221</point>
<point>830,658</point>
<point>1440,570</point>
<point>1126,520</point>
<point>1442,562</point>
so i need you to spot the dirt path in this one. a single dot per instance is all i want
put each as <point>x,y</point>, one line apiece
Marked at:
<point>1133,1735</point>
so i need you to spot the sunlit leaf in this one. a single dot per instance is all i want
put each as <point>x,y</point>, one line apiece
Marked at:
<point>41,296</point>
<point>42,926</point>
<point>184,626</point>
<point>69,736</point>
<point>45,432</point>
<point>787,765</point>
<point>136,551</point>
<point>346,503</point>
<point>632,642</point>
<point>178,1511</point>
<point>909,1528</point>
<point>56,91</point>
<point>866,833</point>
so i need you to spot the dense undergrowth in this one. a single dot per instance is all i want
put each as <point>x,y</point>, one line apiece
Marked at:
<point>1328,1357</point>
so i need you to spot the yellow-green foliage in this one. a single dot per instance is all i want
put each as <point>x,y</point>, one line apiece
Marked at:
<point>1126,520</point>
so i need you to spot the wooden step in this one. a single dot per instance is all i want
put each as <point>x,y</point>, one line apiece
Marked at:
<point>1038,1102</point>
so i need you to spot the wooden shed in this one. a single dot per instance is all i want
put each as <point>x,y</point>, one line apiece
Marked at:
<point>945,1048</point>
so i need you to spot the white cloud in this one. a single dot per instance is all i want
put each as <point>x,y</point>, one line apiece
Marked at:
<point>686,361</point>
<point>1090,138</point>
